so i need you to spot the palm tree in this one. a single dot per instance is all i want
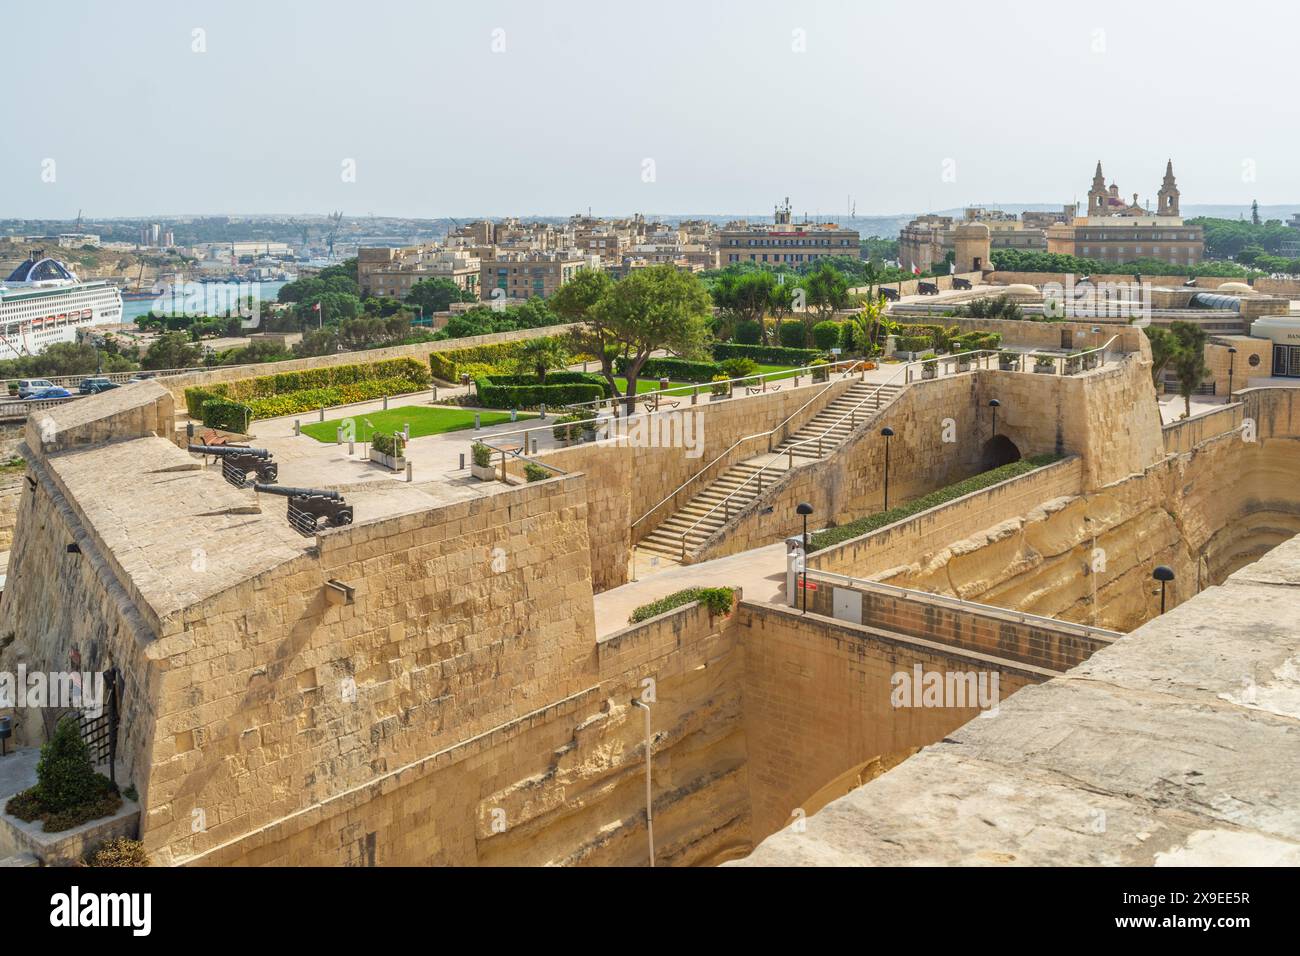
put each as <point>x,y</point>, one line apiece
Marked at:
<point>539,356</point>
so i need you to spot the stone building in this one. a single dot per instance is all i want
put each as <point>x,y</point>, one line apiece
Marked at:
<point>392,272</point>
<point>785,242</point>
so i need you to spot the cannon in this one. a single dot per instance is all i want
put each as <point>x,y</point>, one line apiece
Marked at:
<point>927,288</point>
<point>890,294</point>
<point>960,283</point>
<point>238,460</point>
<point>307,506</point>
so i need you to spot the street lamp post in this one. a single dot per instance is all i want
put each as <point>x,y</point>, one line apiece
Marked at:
<point>1164,574</point>
<point>1232,361</point>
<point>995,405</point>
<point>805,510</point>
<point>888,433</point>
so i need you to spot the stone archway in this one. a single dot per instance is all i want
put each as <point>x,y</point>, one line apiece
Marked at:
<point>998,450</point>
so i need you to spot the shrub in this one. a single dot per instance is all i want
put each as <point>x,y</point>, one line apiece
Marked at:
<point>120,852</point>
<point>568,427</point>
<point>226,415</point>
<point>738,367</point>
<point>721,385</point>
<point>535,472</point>
<point>791,334</point>
<point>65,776</point>
<point>68,791</point>
<point>827,335</point>
<point>914,343</point>
<point>748,332</point>
<point>524,391</point>
<point>482,454</point>
<point>765,354</point>
<point>676,369</point>
<point>394,445</point>
<point>833,536</point>
<point>717,600</point>
<point>448,365</point>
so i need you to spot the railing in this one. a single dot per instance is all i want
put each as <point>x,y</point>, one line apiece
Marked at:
<point>911,594</point>
<point>793,374</point>
<point>744,381</point>
<point>782,426</point>
<point>1054,363</point>
<point>23,407</point>
<point>819,439</point>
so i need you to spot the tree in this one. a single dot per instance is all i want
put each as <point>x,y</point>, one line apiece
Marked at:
<point>745,297</point>
<point>1163,347</point>
<point>1189,360</point>
<point>65,777</point>
<point>869,326</point>
<point>539,356</point>
<point>437,295</point>
<point>825,290</point>
<point>658,307</point>
<point>578,300</point>
<point>172,350</point>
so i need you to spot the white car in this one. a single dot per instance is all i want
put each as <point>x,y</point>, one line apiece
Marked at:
<point>27,387</point>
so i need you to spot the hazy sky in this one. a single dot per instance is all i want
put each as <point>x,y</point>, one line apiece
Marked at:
<point>674,106</point>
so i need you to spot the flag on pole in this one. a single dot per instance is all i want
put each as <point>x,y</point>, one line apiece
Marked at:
<point>316,307</point>
<point>952,268</point>
<point>916,270</point>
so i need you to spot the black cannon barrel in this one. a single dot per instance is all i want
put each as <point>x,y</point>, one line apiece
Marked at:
<point>229,450</point>
<point>288,492</point>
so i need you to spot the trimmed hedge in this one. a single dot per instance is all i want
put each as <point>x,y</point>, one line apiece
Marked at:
<point>748,332</point>
<point>676,369</point>
<point>411,371</point>
<point>975,341</point>
<point>447,366</point>
<point>765,354</point>
<point>226,415</point>
<point>393,445</point>
<point>524,391</point>
<point>827,335</point>
<point>717,600</point>
<point>832,536</point>
<point>791,334</point>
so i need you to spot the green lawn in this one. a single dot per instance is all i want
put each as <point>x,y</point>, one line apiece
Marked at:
<point>652,385</point>
<point>424,420</point>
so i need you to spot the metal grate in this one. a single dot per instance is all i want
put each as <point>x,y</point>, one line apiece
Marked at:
<point>236,476</point>
<point>304,522</point>
<point>100,733</point>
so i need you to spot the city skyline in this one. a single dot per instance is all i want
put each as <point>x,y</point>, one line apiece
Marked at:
<point>546,109</point>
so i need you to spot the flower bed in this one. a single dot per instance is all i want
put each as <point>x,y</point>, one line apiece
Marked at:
<point>717,600</point>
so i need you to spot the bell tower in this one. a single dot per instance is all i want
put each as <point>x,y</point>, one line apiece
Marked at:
<point>1097,194</point>
<point>1168,192</point>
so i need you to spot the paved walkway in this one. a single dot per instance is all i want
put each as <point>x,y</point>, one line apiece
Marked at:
<point>760,573</point>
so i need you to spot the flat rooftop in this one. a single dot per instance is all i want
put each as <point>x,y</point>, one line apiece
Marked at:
<point>1177,745</point>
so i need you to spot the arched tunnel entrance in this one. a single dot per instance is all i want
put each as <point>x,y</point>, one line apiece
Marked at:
<point>998,450</point>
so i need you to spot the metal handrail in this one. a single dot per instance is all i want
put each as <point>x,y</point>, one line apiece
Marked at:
<point>740,441</point>
<point>685,390</point>
<point>851,413</point>
<point>976,353</point>
<point>1022,617</point>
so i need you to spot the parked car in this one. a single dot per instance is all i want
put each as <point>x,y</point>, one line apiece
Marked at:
<point>141,376</point>
<point>28,386</point>
<point>92,386</point>
<point>54,391</point>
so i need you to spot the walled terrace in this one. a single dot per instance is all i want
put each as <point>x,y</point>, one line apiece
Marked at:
<point>431,685</point>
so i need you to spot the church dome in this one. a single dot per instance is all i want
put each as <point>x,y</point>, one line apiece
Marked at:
<point>42,270</point>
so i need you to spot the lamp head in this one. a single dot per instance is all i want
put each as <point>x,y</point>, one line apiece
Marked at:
<point>994,403</point>
<point>887,432</point>
<point>1163,573</point>
<point>804,508</point>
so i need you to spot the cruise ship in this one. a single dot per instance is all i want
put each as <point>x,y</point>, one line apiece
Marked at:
<point>44,302</point>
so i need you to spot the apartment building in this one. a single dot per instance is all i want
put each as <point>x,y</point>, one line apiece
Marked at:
<point>392,272</point>
<point>528,274</point>
<point>784,242</point>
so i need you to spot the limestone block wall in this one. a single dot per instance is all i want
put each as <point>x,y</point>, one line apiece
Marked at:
<point>177,384</point>
<point>136,410</point>
<point>561,784</point>
<point>817,703</point>
<point>1006,634</point>
<point>625,480</point>
<point>11,495</point>
<point>1213,505</point>
<point>848,482</point>
<point>873,554</point>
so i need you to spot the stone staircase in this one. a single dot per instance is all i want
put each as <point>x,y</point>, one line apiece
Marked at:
<point>708,510</point>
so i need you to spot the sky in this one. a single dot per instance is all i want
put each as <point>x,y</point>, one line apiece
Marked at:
<point>550,107</point>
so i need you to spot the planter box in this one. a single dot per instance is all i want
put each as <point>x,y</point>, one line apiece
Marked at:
<point>483,472</point>
<point>928,372</point>
<point>1045,369</point>
<point>395,464</point>
<point>719,398</point>
<point>1008,365</point>
<point>963,366</point>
